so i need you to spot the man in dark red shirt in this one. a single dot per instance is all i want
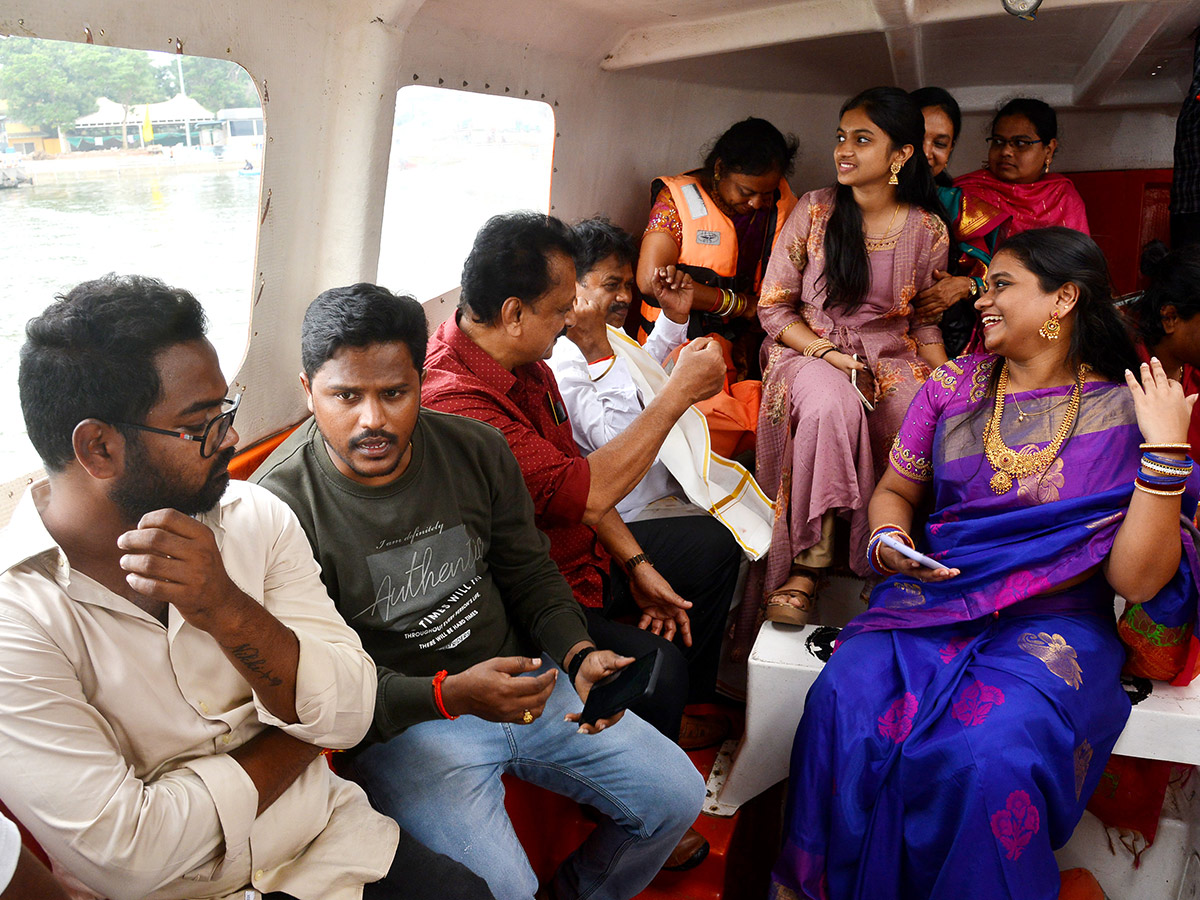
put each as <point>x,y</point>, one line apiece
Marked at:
<point>486,362</point>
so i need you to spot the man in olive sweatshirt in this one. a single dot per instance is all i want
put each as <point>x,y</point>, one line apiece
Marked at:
<point>425,534</point>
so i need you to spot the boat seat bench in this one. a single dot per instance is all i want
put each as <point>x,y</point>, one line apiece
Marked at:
<point>785,661</point>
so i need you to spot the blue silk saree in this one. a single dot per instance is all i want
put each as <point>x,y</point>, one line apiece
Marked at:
<point>953,739</point>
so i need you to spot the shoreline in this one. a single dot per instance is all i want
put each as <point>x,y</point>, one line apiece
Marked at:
<point>81,166</point>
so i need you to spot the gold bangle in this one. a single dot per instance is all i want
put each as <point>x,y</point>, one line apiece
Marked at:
<point>1140,487</point>
<point>875,560</point>
<point>612,362</point>
<point>726,302</point>
<point>1161,448</point>
<point>818,346</point>
<point>894,530</point>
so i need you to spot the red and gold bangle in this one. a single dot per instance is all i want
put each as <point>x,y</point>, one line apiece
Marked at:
<point>437,694</point>
<point>875,560</point>
<point>895,530</point>
<point>1150,489</point>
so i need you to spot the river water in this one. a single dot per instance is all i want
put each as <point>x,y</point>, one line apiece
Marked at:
<point>456,159</point>
<point>194,230</point>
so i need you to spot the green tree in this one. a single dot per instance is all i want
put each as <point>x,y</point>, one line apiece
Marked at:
<point>126,77</point>
<point>213,83</point>
<point>45,83</point>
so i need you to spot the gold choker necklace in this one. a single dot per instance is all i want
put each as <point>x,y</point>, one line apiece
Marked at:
<point>1011,464</point>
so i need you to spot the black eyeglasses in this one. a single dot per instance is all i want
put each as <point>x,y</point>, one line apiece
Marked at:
<point>214,432</point>
<point>1018,144</point>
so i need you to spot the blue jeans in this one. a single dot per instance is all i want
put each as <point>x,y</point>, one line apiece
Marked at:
<point>441,781</point>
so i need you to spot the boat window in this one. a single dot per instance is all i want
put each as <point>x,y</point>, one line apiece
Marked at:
<point>457,159</point>
<point>110,163</point>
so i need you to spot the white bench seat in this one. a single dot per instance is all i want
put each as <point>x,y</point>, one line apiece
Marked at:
<point>786,660</point>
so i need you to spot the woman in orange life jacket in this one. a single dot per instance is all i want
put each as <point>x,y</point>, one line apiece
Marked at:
<point>715,226</point>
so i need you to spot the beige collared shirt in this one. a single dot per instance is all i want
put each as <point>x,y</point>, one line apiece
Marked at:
<point>115,730</point>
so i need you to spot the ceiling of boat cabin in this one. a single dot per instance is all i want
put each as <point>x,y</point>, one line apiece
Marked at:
<point>1078,54</point>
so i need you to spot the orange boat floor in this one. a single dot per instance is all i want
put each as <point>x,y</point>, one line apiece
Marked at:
<point>551,826</point>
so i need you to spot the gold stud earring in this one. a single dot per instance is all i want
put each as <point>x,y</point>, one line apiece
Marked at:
<point>896,166</point>
<point>1051,329</point>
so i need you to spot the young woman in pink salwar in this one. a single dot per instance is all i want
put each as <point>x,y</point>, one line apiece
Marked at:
<point>837,309</point>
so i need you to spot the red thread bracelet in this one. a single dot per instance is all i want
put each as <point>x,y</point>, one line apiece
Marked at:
<point>437,694</point>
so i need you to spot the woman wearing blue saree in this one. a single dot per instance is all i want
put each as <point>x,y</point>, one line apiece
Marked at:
<point>956,734</point>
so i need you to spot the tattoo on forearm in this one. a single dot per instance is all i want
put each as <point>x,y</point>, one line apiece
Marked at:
<point>255,662</point>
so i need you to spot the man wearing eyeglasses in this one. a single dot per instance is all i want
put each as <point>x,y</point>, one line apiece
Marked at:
<point>172,664</point>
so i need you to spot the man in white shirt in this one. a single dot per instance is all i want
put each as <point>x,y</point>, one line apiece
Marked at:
<point>172,664</point>
<point>697,554</point>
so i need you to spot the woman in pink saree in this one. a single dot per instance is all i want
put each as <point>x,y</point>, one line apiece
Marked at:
<point>1017,180</point>
<point>841,332</point>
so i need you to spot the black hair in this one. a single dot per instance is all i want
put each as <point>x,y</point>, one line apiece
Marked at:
<point>1174,281</point>
<point>753,147</point>
<point>597,239</point>
<point>941,98</point>
<point>1060,255</point>
<point>92,354</point>
<point>511,258</point>
<point>1039,112</point>
<point>847,270</point>
<point>358,316</point>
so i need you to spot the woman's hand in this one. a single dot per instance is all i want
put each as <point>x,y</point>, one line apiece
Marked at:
<point>1163,412</point>
<point>847,364</point>
<point>897,561</point>
<point>945,291</point>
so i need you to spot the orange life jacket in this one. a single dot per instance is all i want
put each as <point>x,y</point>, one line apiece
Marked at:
<point>710,246</point>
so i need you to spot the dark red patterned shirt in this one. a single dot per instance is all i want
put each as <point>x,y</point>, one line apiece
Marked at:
<point>526,407</point>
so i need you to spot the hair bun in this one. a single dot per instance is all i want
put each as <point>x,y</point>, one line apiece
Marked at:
<point>1153,255</point>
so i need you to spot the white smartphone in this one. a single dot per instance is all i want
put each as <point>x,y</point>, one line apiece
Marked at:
<point>854,384</point>
<point>905,550</point>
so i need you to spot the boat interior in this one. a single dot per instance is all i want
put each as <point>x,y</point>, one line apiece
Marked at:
<point>637,89</point>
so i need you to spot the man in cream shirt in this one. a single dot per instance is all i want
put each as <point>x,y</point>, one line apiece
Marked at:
<point>172,664</point>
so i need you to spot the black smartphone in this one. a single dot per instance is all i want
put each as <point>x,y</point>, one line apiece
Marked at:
<point>622,689</point>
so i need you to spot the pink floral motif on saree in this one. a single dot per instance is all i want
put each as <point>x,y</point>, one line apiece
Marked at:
<point>1020,585</point>
<point>975,703</point>
<point>1016,824</point>
<point>953,648</point>
<point>896,724</point>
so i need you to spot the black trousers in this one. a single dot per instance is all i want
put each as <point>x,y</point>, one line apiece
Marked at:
<point>699,558</point>
<point>417,873</point>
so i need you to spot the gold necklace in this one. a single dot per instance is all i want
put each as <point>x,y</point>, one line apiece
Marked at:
<point>885,240</point>
<point>1011,464</point>
<point>1022,415</point>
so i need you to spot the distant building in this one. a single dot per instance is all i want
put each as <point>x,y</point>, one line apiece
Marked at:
<point>17,137</point>
<point>241,129</point>
<point>168,119</point>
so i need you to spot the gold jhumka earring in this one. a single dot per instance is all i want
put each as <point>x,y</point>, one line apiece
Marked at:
<point>1051,329</point>
<point>896,167</point>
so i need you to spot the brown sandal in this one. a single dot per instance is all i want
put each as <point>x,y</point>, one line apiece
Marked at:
<point>792,606</point>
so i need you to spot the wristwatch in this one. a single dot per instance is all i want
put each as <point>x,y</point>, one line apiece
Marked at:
<point>634,561</point>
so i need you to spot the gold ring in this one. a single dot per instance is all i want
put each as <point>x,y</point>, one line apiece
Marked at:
<point>527,717</point>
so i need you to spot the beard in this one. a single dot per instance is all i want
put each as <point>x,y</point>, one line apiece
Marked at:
<point>347,458</point>
<point>144,487</point>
